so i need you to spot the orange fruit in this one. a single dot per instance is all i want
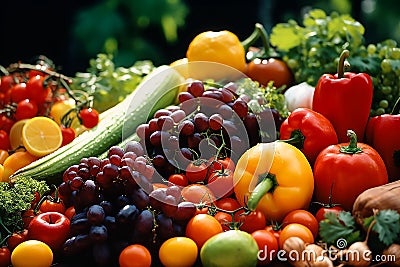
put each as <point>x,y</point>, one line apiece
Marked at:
<point>41,136</point>
<point>16,161</point>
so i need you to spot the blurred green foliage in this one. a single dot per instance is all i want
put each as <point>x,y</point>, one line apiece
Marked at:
<point>127,28</point>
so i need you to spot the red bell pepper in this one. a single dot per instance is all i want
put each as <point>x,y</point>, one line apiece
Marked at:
<point>345,100</point>
<point>383,134</point>
<point>309,131</point>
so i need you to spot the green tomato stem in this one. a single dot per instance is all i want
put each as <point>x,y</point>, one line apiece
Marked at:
<point>342,63</point>
<point>352,147</point>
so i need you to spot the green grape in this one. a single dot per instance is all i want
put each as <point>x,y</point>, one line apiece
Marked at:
<point>371,49</point>
<point>292,63</point>
<point>386,90</point>
<point>313,52</point>
<point>386,66</point>
<point>395,53</point>
<point>384,103</point>
<point>380,111</point>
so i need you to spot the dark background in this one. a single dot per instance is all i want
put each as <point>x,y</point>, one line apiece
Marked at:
<point>47,27</point>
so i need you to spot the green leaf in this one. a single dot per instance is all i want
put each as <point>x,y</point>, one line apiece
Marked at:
<point>387,226</point>
<point>335,227</point>
<point>285,36</point>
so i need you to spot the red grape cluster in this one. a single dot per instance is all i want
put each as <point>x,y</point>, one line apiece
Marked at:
<point>209,122</point>
<point>116,205</point>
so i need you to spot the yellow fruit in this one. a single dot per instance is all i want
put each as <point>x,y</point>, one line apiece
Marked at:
<point>16,133</point>
<point>32,253</point>
<point>1,173</point>
<point>60,108</point>
<point>41,136</point>
<point>16,161</point>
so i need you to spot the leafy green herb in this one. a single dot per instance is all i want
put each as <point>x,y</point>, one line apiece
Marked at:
<point>340,226</point>
<point>16,198</point>
<point>387,225</point>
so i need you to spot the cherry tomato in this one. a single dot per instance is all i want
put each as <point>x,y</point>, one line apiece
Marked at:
<point>16,238</point>
<point>70,212</point>
<point>221,183</point>
<point>201,227</point>
<point>228,204</point>
<point>89,117</point>
<point>27,217</point>
<point>6,123</point>
<point>26,109</point>
<point>226,162</point>
<point>267,245</point>
<point>320,214</point>
<point>5,257</point>
<point>135,255</point>
<point>296,229</point>
<point>198,193</point>
<point>36,89</point>
<point>251,222</point>
<point>18,92</point>
<point>271,69</point>
<point>179,179</point>
<point>225,219</point>
<point>197,171</point>
<point>4,140</point>
<point>178,251</point>
<point>68,135</point>
<point>52,205</point>
<point>303,217</point>
<point>6,82</point>
<point>275,229</point>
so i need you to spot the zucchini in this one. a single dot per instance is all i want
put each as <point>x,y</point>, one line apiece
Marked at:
<point>157,90</point>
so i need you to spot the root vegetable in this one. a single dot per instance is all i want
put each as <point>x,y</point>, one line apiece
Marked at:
<point>294,247</point>
<point>392,255</point>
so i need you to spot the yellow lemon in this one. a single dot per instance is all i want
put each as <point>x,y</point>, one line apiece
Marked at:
<point>16,133</point>
<point>41,136</point>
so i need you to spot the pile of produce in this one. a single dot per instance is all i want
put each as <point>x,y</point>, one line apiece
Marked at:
<point>284,154</point>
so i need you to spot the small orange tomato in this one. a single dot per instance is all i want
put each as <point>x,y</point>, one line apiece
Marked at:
<point>303,217</point>
<point>298,230</point>
<point>201,227</point>
<point>135,255</point>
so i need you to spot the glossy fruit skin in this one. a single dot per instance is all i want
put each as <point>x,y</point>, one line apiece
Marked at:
<point>232,248</point>
<point>179,179</point>
<point>68,135</point>
<point>26,109</point>
<point>197,171</point>
<point>267,245</point>
<point>5,257</point>
<point>89,117</point>
<point>221,183</point>
<point>320,214</point>
<point>178,252</point>
<point>251,222</point>
<point>201,227</point>
<point>303,217</point>
<point>296,229</point>
<point>51,228</point>
<point>4,140</point>
<point>135,255</point>
<point>33,253</point>
<point>270,69</point>
<point>16,238</point>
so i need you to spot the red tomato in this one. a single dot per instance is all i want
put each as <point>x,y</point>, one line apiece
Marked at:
<point>228,204</point>
<point>26,109</point>
<point>70,212</point>
<point>51,205</point>
<point>271,69</point>
<point>6,83</point>
<point>221,183</point>
<point>89,117</point>
<point>274,229</point>
<point>18,92</point>
<point>179,179</point>
<point>68,134</point>
<point>27,217</point>
<point>4,140</point>
<point>6,123</point>
<point>5,257</point>
<point>251,222</point>
<point>226,162</point>
<point>225,219</point>
<point>16,238</point>
<point>197,171</point>
<point>267,245</point>
<point>320,215</point>
<point>303,217</point>
<point>36,89</point>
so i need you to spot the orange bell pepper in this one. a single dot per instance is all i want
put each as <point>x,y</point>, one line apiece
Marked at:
<point>274,177</point>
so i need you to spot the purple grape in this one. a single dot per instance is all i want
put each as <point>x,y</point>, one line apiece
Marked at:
<point>95,214</point>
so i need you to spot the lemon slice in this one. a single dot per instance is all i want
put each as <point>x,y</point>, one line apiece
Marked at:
<point>16,133</point>
<point>41,136</point>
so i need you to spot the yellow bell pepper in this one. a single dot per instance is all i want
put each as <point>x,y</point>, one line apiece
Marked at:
<point>221,47</point>
<point>275,178</point>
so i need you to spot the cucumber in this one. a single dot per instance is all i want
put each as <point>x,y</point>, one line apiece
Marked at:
<point>157,90</point>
